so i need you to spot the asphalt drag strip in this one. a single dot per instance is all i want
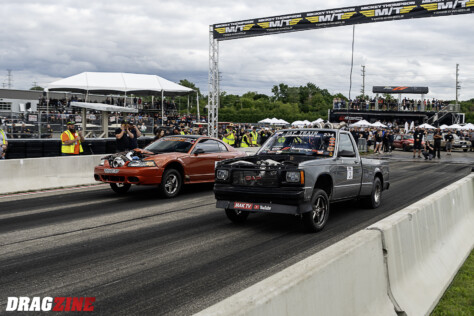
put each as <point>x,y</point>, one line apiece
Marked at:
<point>142,254</point>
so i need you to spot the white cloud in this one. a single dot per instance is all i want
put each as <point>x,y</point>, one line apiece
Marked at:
<point>48,40</point>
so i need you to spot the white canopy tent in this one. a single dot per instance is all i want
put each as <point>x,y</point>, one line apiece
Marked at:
<point>427,126</point>
<point>361,123</point>
<point>468,126</point>
<point>455,126</point>
<point>378,124</point>
<point>298,123</point>
<point>444,126</point>
<point>265,121</point>
<point>117,82</point>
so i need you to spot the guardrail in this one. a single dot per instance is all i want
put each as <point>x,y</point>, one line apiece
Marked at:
<point>22,175</point>
<point>399,266</point>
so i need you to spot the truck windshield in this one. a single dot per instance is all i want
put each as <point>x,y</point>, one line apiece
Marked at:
<point>301,142</point>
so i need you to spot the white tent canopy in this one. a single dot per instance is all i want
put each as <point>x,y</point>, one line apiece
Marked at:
<point>378,124</point>
<point>265,121</point>
<point>468,126</point>
<point>426,125</point>
<point>361,123</point>
<point>103,107</point>
<point>113,82</point>
<point>455,126</point>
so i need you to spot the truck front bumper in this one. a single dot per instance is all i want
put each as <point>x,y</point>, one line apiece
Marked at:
<point>266,200</point>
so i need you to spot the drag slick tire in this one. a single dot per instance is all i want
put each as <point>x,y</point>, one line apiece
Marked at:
<point>120,188</point>
<point>375,198</point>
<point>236,216</point>
<point>315,220</point>
<point>171,183</point>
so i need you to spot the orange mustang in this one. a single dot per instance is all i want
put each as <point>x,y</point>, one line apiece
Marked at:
<point>169,162</point>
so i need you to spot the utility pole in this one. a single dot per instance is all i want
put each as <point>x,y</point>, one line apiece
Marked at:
<point>363,81</point>
<point>9,78</point>
<point>458,85</point>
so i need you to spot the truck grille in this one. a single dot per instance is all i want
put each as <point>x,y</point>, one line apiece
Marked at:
<point>255,178</point>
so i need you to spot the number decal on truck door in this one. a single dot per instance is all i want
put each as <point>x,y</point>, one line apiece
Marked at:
<point>350,173</point>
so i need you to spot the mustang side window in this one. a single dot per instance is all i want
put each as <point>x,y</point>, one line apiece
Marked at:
<point>208,145</point>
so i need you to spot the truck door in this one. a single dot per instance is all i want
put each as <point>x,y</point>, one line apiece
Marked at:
<point>349,170</point>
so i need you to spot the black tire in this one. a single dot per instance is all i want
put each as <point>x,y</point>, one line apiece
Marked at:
<point>171,183</point>
<point>315,220</point>
<point>405,148</point>
<point>465,150</point>
<point>236,216</point>
<point>120,188</point>
<point>375,198</point>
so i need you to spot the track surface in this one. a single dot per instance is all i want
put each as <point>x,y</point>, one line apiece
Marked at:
<point>140,254</point>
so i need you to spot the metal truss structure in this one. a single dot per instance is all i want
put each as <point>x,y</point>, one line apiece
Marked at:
<point>213,104</point>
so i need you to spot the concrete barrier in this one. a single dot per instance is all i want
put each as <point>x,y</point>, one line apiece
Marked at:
<point>54,172</point>
<point>347,278</point>
<point>427,243</point>
<point>20,175</point>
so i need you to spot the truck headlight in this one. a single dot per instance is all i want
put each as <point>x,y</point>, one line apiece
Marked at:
<point>222,174</point>
<point>295,176</point>
<point>139,163</point>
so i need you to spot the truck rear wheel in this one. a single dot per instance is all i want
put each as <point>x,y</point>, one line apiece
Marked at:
<point>375,198</point>
<point>315,220</point>
<point>237,216</point>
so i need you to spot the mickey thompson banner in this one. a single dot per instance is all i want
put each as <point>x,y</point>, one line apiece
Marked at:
<point>390,11</point>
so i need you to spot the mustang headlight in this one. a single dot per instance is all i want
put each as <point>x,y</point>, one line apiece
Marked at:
<point>140,163</point>
<point>222,174</point>
<point>295,176</point>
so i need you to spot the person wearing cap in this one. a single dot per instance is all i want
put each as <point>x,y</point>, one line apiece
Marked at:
<point>185,131</point>
<point>71,140</point>
<point>246,139</point>
<point>123,136</point>
<point>254,135</point>
<point>229,135</point>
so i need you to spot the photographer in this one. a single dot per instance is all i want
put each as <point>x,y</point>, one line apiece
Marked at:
<point>123,136</point>
<point>429,151</point>
<point>136,133</point>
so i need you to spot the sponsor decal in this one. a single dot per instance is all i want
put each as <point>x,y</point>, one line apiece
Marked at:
<point>330,148</point>
<point>398,10</point>
<point>50,304</point>
<point>111,170</point>
<point>243,206</point>
<point>350,173</point>
<point>258,207</point>
<point>252,178</point>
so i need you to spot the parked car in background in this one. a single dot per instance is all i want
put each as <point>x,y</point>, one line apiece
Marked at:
<point>168,162</point>
<point>459,143</point>
<point>404,142</point>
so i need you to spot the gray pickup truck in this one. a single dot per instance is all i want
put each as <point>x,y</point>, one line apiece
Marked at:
<point>299,172</point>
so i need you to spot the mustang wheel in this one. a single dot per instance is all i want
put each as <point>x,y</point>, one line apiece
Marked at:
<point>317,218</point>
<point>376,196</point>
<point>171,183</point>
<point>120,188</point>
<point>237,216</point>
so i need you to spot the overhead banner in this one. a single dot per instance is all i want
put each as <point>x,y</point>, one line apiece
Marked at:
<point>400,90</point>
<point>389,11</point>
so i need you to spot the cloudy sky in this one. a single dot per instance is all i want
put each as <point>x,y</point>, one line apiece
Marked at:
<point>42,41</point>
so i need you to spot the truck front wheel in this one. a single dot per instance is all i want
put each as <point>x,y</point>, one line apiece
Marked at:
<point>237,216</point>
<point>315,220</point>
